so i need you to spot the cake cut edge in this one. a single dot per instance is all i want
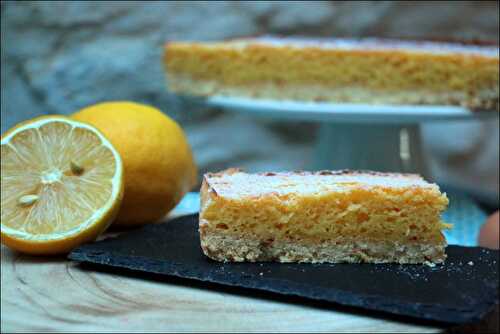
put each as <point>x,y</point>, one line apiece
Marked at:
<point>240,248</point>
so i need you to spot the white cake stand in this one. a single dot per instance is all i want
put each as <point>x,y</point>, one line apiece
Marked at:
<point>356,136</point>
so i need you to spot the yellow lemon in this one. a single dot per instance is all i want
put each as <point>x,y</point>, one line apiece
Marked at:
<point>62,184</point>
<point>157,159</point>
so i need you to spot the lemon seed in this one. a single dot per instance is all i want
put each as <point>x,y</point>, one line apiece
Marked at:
<point>76,169</point>
<point>27,200</point>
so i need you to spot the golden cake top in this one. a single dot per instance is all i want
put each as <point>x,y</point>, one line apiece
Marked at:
<point>368,44</point>
<point>234,183</point>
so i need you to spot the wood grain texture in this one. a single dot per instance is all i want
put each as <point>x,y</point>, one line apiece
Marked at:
<point>47,294</point>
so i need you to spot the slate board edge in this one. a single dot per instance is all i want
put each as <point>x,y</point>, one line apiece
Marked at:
<point>377,303</point>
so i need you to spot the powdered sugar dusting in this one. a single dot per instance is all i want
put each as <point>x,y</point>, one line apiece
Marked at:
<point>371,44</point>
<point>240,184</point>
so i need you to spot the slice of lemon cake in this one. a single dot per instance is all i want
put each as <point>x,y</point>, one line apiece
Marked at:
<point>326,216</point>
<point>338,70</point>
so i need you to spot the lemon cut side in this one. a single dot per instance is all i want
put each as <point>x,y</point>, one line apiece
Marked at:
<point>61,185</point>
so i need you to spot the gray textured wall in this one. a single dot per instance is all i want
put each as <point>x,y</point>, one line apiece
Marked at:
<point>58,57</point>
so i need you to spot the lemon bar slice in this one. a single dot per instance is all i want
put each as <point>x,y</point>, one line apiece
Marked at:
<point>338,70</point>
<point>325,216</point>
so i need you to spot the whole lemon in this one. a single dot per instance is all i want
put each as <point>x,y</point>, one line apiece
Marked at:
<point>158,163</point>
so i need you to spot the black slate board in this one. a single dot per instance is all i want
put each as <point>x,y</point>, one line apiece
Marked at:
<point>461,291</point>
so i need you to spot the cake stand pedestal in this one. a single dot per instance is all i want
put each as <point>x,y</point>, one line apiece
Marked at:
<point>380,147</point>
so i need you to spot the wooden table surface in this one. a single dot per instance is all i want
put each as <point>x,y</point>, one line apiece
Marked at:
<point>54,294</point>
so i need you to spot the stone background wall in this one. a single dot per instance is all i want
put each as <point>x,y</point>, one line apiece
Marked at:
<point>57,57</point>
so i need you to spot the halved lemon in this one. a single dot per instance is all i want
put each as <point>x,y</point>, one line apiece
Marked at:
<point>62,185</point>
